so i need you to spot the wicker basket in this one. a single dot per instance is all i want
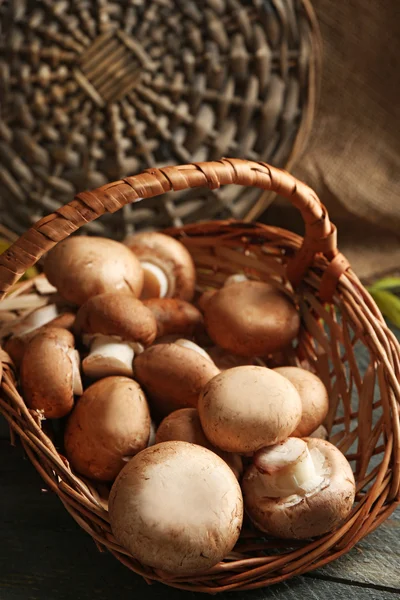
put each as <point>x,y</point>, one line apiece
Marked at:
<point>95,90</point>
<point>338,316</point>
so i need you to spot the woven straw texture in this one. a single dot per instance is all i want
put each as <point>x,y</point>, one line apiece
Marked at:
<point>337,314</point>
<point>93,91</point>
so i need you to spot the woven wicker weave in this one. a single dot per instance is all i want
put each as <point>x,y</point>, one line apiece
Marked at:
<point>338,316</point>
<point>93,91</point>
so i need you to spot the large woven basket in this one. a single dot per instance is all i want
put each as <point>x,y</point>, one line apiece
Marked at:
<point>338,317</point>
<point>93,91</point>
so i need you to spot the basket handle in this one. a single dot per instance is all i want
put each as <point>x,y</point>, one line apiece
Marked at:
<point>320,234</point>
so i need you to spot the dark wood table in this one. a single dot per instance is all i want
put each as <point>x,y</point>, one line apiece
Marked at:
<point>44,555</point>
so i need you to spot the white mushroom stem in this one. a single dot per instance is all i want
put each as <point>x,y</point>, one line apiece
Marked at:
<point>195,347</point>
<point>289,468</point>
<point>37,319</point>
<point>152,438</point>
<point>76,375</point>
<point>236,278</point>
<point>320,433</point>
<point>156,278</point>
<point>109,355</point>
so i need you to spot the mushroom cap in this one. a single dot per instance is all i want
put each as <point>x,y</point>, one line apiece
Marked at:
<point>173,376</point>
<point>246,408</point>
<point>302,517</point>
<point>202,301</point>
<point>119,314</point>
<point>174,315</point>
<point>16,345</point>
<point>81,267</point>
<point>171,257</point>
<point>184,425</point>
<point>314,398</point>
<point>226,360</point>
<point>47,372</point>
<point>176,507</point>
<point>251,318</point>
<point>110,423</point>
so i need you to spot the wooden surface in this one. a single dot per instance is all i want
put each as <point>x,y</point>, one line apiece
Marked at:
<point>44,555</point>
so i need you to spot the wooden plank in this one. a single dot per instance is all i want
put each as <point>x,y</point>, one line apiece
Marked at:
<point>375,560</point>
<point>44,554</point>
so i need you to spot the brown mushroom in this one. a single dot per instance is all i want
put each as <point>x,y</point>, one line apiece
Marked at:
<point>173,375</point>
<point>116,325</point>
<point>299,488</point>
<point>16,344</point>
<point>251,318</point>
<point>314,398</point>
<point>169,270</point>
<point>184,425</point>
<point>109,425</point>
<point>226,360</point>
<point>246,408</point>
<point>176,507</point>
<point>174,316</point>
<point>82,267</point>
<point>50,373</point>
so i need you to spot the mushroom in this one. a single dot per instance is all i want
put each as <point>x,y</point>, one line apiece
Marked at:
<point>192,346</point>
<point>109,425</point>
<point>37,321</point>
<point>116,325</point>
<point>176,507</point>
<point>314,398</point>
<point>153,431</point>
<point>174,316</point>
<point>246,408</point>
<point>299,488</point>
<point>225,360</point>
<point>173,375</point>
<point>184,425</point>
<point>235,278</point>
<point>203,299</point>
<point>321,433</point>
<point>50,373</point>
<point>250,318</point>
<point>205,296</point>
<point>82,267</point>
<point>169,270</point>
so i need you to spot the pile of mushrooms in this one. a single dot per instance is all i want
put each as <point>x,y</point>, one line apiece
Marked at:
<point>166,398</point>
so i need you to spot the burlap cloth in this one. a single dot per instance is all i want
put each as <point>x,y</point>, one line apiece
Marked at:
<point>353,157</point>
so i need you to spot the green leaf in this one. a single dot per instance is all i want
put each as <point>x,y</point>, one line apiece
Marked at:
<point>387,283</point>
<point>389,305</point>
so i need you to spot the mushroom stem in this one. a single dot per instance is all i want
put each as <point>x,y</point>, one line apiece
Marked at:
<point>109,355</point>
<point>192,346</point>
<point>155,281</point>
<point>77,387</point>
<point>320,433</point>
<point>152,437</point>
<point>289,468</point>
<point>236,278</point>
<point>37,318</point>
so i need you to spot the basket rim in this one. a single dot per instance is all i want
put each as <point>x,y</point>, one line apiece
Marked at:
<point>320,233</point>
<point>375,507</point>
